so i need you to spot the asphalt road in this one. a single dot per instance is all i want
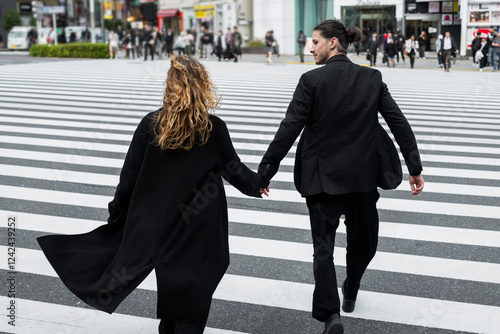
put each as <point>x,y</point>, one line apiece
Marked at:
<point>64,132</point>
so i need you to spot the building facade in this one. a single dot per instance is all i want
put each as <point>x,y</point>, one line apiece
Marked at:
<point>218,15</point>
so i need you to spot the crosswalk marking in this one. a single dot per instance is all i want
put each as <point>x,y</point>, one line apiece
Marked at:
<point>80,118</point>
<point>464,236</point>
<point>39,317</point>
<point>298,296</point>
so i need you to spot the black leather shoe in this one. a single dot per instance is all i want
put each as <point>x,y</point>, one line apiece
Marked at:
<point>348,305</point>
<point>334,325</point>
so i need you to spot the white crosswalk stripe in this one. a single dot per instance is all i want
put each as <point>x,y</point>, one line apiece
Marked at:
<point>64,132</point>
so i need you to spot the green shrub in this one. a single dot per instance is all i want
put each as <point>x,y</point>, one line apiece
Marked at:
<point>256,43</point>
<point>72,50</point>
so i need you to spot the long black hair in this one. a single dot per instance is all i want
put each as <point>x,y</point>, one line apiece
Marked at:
<point>333,28</point>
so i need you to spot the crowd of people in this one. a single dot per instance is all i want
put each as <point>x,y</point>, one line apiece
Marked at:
<point>151,41</point>
<point>485,49</point>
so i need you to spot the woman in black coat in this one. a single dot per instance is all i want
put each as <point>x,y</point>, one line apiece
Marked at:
<point>169,212</point>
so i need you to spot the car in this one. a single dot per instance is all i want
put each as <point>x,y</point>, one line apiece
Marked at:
<point>17,39</point>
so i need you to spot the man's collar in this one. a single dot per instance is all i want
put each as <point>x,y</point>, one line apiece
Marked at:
<point>339,57</point>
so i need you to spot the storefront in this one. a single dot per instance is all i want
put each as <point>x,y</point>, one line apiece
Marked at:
<point>371,15</point>
<point>434,18</point>
<point>171,18</point>
<point>484,15</point>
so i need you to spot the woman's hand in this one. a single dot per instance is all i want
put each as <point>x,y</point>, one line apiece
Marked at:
<point>264,191</point>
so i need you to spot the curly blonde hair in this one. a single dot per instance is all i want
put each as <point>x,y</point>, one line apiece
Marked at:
<point>189,96</point>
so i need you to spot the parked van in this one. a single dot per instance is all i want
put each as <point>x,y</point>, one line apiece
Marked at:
<point>17,39</point>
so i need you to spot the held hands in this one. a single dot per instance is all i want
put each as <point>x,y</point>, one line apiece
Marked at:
<point>416,184</point>
<point>264,191</point>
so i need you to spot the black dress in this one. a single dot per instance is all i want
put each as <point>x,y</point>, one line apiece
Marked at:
<point>169,213</point>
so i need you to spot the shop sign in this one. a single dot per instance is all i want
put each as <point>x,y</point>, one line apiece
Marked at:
<point>479,16</point>
<point>447,19</point>
<point>495,16</point>
<point>447,7</point>
<point>205,11</point>
<point>434,7</point>
<point>368,2</point>
<point>25,7</point>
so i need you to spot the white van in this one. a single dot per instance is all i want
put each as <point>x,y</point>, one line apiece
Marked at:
<point>18,38</point>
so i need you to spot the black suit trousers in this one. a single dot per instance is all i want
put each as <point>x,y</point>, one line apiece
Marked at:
<point>361,220</point>
<point>149,47</point>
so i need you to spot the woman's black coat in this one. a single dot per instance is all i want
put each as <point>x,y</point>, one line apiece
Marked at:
<point>169,213</point>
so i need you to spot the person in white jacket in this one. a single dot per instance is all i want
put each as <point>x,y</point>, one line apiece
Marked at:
<point>180,43</point>
<point>411,47</point>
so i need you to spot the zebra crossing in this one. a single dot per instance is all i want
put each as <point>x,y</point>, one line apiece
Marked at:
<point>65,128</point>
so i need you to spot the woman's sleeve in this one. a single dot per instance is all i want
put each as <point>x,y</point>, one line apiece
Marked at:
<point>130,170</point>
<point>234,171</point>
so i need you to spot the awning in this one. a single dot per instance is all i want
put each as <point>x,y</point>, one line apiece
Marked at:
<point>168,13</point>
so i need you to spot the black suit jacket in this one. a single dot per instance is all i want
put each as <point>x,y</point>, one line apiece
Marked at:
<point>337,106</point>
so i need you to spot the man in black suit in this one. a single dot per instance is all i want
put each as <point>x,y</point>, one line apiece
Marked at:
<point>372,47</point>
<point>148,42</point>
<point>336,106</point>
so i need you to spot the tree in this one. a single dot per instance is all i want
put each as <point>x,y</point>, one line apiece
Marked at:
<point>11,19</point>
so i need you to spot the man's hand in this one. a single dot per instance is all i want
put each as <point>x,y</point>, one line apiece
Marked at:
<point>416,184</point>
<point>264,191</point>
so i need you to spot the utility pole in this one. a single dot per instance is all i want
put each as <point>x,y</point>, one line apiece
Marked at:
<point>38,7</point>
<point>92,21</point>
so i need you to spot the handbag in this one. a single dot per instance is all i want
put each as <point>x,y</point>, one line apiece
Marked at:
<point>406,53</point>
<point>389,171</point>
<point>384,59</point>
<point>368,56</point>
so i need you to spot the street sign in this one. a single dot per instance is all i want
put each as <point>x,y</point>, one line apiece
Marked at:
<point>37,5</point>
<point>38,16</point>
<point>53,10</point>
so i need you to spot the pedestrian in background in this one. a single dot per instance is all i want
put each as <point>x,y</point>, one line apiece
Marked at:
<point>121,36</point>
<point>169,42</point>
<point>439,45</point>
<point>335,107</point>
<point>482,53</point>
<point>422,40</point>
<point>400,46</point>
<point>148,42</point>
<point>195,38</point>
<point>411,49</point>
<point>475,45</point>
<point>180,43</point>
<point>207,40</point>
<point>390,50</point>
<point>269,47</point>
<point>178,155</point>
<point>219,48</point>
<point>158,42</point>
<point>236,40</point>
<point>113,44</point>
<point>189,41</point>
<point>372,48</point>
<point>449,47</point>
<point>228,38</point>
<point>495,50</point>
<point>138,43</point>
<point>128,41</point>
<point>301,41</point>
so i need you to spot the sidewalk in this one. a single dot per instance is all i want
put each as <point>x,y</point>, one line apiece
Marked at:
<point>430,61</point>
